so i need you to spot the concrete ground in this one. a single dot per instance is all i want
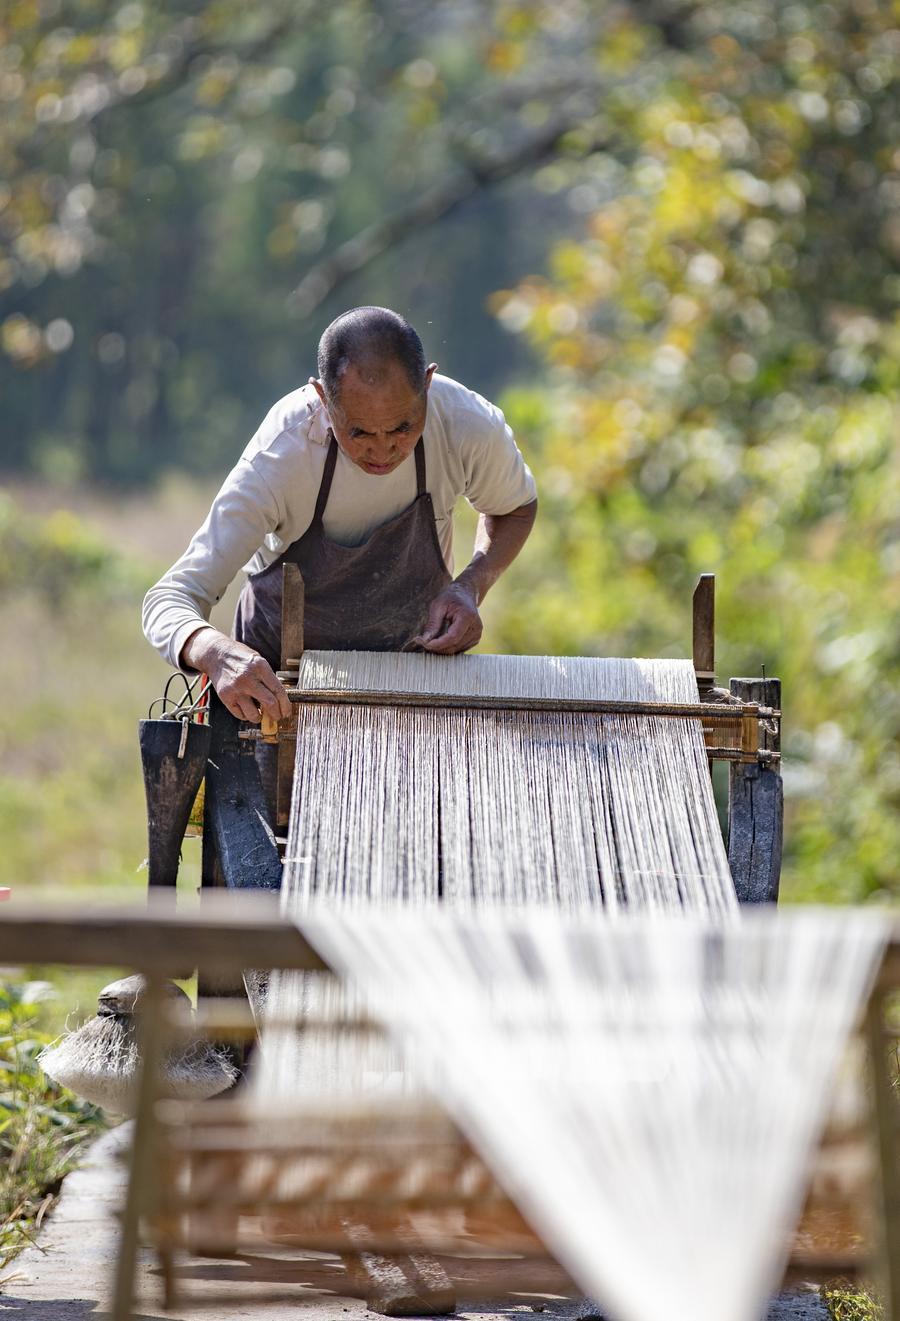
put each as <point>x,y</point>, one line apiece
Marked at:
<point>67,1276</point>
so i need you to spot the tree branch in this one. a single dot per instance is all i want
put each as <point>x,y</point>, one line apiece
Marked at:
<point>672,20</point>
<point>178,71</point>
<point>436,203</point>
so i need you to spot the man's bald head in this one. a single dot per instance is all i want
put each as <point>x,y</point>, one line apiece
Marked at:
<point>373,340</point>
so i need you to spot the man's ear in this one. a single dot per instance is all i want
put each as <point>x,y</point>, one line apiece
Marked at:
<point>319,389</point>
<point>429,372</point>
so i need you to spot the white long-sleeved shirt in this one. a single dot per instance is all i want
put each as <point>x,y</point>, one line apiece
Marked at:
<point>268,499</point>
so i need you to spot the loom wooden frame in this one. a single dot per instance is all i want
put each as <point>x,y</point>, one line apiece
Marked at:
<point>241,849</point>
<point>231,934</point>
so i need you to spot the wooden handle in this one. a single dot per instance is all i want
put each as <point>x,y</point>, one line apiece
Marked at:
<point>268,729</point>
<point>704,638</point>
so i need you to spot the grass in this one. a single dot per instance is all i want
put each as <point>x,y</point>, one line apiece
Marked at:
<point>846,1303</point>
<point>71,794</point>
<point>43,1127</point>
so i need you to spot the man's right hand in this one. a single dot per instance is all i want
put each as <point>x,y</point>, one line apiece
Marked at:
<point>244,680</point>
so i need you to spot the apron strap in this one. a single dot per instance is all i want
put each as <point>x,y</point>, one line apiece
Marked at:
<point>420,466</point>
<point>325,484</point>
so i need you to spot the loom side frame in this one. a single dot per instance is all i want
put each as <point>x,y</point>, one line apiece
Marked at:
<point>756,806</point>
<point>239,851</point>
<point>755,832</point>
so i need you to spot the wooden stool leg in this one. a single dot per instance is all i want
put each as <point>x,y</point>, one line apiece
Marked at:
<point>886,1118</point>
<point>167,1270</point>
<point>401,1285</point>
<point>211,1230</point>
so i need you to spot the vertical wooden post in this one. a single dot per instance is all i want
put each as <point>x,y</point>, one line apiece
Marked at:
<point>756,807</point>
<point>886,1122</point>
<point>704,633</point>
<point>293,595</point>
<point>173,758</point>
<point>223,726</point>
<point>140,1196</point>
<point>239,850</point>
<point>238,845</point>
<point>293,598</point>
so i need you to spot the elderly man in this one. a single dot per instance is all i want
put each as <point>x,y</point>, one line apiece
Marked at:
<point>353,478</point>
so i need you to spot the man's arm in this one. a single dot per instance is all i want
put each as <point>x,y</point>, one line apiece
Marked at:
<point>176,609</point>
<point>454,623</point>
<point>244,680</point>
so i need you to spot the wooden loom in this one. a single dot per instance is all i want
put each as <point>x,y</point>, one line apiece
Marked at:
<point>741,726</point>
<point>197,1169</point>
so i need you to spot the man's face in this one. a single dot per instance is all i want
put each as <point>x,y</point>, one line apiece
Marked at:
<point>377,425</point>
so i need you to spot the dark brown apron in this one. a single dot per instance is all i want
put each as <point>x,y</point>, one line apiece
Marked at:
<point>373,597</point>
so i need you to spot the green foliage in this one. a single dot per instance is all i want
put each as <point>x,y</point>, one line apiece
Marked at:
<point>722,394</point>
<point>712,193</point>
<point>71,796</point>
<point>59,555</point>
<point>174,173</point>
<point>851,1304</point>
<point>43,1127</point>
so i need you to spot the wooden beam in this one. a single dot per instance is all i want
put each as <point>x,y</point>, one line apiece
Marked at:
<point>756,806</point>
<point>228,932</point>
<point>716,712</point>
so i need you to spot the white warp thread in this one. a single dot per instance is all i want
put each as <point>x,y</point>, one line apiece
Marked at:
<point>649,1092</point>
<point>503,806</point>
<point>647,1089</point>
<point>583,678</point>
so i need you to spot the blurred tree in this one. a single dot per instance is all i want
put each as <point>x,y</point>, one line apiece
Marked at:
<point>723,358</point>
<point>173,174</point>
<point>192,192</point>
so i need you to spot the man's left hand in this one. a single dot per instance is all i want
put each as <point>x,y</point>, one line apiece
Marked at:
<point>454,623</point>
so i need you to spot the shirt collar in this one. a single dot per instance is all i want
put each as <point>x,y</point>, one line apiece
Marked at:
<point>318,425</point>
